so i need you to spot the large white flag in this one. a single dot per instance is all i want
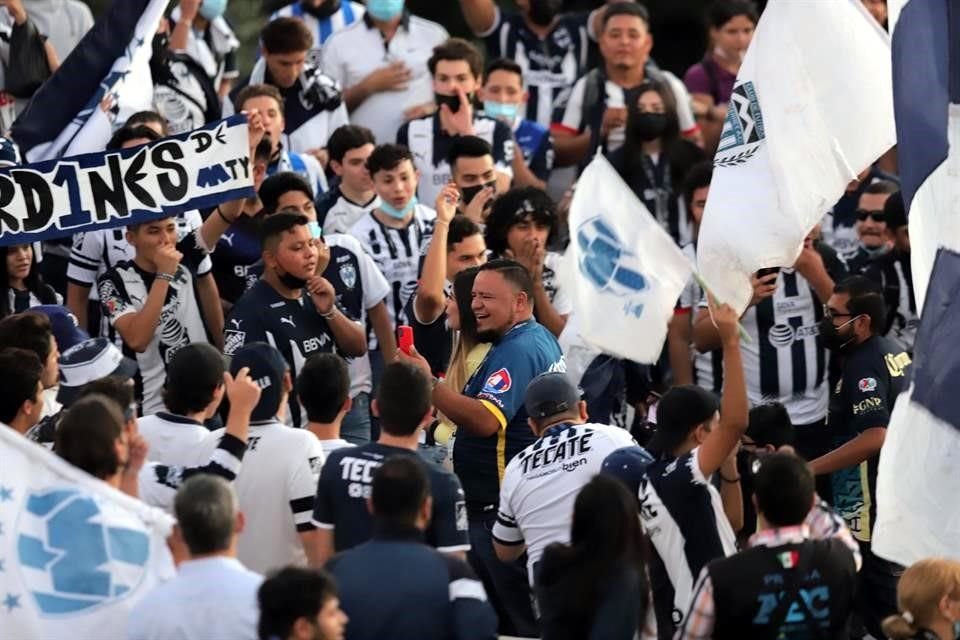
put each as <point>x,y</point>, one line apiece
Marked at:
<point>626,271</point>
<point>75,554</point>
<point>811,108</point>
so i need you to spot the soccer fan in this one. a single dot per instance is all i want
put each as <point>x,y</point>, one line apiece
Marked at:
<point>541,483</point>
<point>269,102</point>
<point>279,476</point>
<point>927,601</point>
<point>379,62</point>
<point>457,70</point>
<point>768,589</point>
<point>291,306</point>
<point>322,18</point>
<point>404,408</point>
<point>874,371</point>
<point>353,195</point>
<point>596,113</point>
<point>21,399</point>
<point>312,105</point>
<point>521,225</point>
<point>213,594</point>
<point>21,284</point>
<point>192,393</point>
<point>200,30</point>
<point>32,331</point>
<point>431,596</point>
<point>492,421</point>
<point>871,226</point>
<point>323,388</point>
<point>475,176</point>
<point>505,98</point>
<point>688,520</point>
<point>297,604</point>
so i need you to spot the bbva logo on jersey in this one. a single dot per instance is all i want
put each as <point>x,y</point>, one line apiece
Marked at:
<point>609,265</point>
<point>70,561</point>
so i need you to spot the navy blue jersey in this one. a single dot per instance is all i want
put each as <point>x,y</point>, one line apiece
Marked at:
<point>346,482</point>
<point>237,249</point>
<point>537,147</point>
<point>526,351</point>
<point>550,66</point>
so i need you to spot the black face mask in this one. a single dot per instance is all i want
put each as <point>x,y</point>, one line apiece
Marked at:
<point>831,336</point>
<point>647,126</point>
<point>325,10</point>
<point>542,12</point>
<point>469,193</point>
<point>452,102</point>
<point>291,281</point>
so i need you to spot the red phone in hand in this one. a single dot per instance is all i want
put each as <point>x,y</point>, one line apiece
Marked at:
<point>405,338</point>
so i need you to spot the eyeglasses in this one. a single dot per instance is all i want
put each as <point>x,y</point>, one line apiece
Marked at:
<point>876,216</point>
<point>830,314</point>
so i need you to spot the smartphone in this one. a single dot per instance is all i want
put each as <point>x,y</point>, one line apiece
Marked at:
<point>405,338</point>
<point>762,273</point>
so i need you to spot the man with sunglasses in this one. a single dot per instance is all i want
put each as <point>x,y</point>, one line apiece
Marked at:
<point>871,225</point>
<point>874,370</point>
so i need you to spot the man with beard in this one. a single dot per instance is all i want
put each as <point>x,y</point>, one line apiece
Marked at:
<point>871,226</point>
<point>874,370</point>
<point>492,422</point>
<point>323,18</point>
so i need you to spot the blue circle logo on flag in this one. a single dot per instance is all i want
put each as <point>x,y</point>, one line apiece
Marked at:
<point>605,261</point>
<point>743,131</point>
<point>71,561</point>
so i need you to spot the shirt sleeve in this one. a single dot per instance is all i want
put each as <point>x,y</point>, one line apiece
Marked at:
<point>302,483</point>
<point>449,523</point>
<point>867,389</point>
<point>332,64</point>
<point>503,148</point>
<point>193,250</point>
<point>194,221</point>
<point>472,616</point>
<point>492,35</point>
<point>541,162</point>
<point>86,254</point>
<point>324,508</point>
<point>375,285</point>
<point>503,383</point>
<point>688,123</point>
<point>696,80</point>
<point>573,120</point>
<point>825,523</point>
<point>242,328</point>
<point>114,299</point>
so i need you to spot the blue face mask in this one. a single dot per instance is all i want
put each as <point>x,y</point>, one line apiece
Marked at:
<point>212,9</point>
<point>315,230</point>
<point>384,10</point>
<point>399,214</point>
<point>501,111</point>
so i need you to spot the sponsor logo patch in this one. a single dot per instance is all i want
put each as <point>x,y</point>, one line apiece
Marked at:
<point>498,382</point>
<point>867,384</point>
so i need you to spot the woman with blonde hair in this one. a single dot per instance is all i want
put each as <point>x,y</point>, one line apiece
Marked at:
<point>928,598</point>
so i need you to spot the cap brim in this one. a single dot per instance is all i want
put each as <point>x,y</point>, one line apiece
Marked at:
<point>126,369</point>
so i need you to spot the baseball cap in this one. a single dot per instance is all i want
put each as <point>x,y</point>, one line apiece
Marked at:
<point>680,410</point>
<point>894,211</point>
<point>550,394</point>
<point>267,367</point>
<point>66,328</point>
<point>9,153</point>
<point>87,361</point>
<point>627,464</point>
<point>198,363</point>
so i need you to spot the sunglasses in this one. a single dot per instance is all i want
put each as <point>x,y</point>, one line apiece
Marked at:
<point>876,216</point>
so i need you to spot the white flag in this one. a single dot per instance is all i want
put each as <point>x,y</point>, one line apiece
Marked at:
<point>627,271</point>
<point>75,554</point>
<point>811,108</point>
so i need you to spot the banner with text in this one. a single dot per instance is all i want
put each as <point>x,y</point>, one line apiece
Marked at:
<point>194,170</point>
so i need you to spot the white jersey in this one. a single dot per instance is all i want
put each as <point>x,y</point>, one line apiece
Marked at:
<point>541,483</point>
<point>707,367</point>
<point>276,488</point>
<point>558,293</point>
<point>337,213</point>
<point>172,439</point>
<point>329,446</point>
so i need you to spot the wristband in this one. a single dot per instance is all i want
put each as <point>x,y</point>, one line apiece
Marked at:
<point>223,217</point>
<point>169,277</point>
<point>729,481</point>
<point>330,314</point>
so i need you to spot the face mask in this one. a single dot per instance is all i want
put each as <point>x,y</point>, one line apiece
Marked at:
<point>503,111</point>
<point>452,102</point>
<point>325,10</point>
<point>384,10</point>
<point>469,193</point>
<point>542,12</point>
<point>315,230</point>
<point>291,281</point>
<point>832,338</point>
<point>399,214</point>
<point>648,126</point>
<point>212,9</point>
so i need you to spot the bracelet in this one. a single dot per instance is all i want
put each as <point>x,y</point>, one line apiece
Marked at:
<point>169,277</point>
<point>330,314</point>
<point>436,380</point>
<point>728,480</point>
<point>223,217</point>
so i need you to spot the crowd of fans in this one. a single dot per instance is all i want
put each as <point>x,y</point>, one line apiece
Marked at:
<point>351,389</point>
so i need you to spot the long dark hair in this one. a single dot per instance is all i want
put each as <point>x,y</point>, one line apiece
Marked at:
<point>671,135</point>
<point>605,538</point>
<point>34,282</point>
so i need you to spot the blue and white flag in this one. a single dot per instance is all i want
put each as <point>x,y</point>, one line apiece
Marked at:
<point>625,270</point>
<point>811,108</point>
<point>194,170</point>
<point>75,554</point>
<point>918,483</point>
<point>112,61</point>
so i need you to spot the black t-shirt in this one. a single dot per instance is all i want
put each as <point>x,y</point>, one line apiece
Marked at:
<point>346,482</point>
<point>873,375</point>
<point>434,340</point>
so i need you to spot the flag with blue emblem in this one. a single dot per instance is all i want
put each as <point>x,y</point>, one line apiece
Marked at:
<point>812,107</point>
<point>626,271</point>
<point>105,79</point>
<point>917,481</point>
<point>75,554</point>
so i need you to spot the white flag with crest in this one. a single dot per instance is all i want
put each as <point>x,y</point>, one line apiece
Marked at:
<point>625,269</point>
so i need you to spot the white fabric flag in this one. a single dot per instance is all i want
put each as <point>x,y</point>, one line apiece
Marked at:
<point>811,108</point>
<point>626,271</point>
<point>128,88</point>
<point>75,554</point>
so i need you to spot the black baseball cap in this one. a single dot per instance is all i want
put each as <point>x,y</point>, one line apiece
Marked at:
<point>679,411</point>
<point>267,367</point>
<point>88,361</point>
<point>550,394</point>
